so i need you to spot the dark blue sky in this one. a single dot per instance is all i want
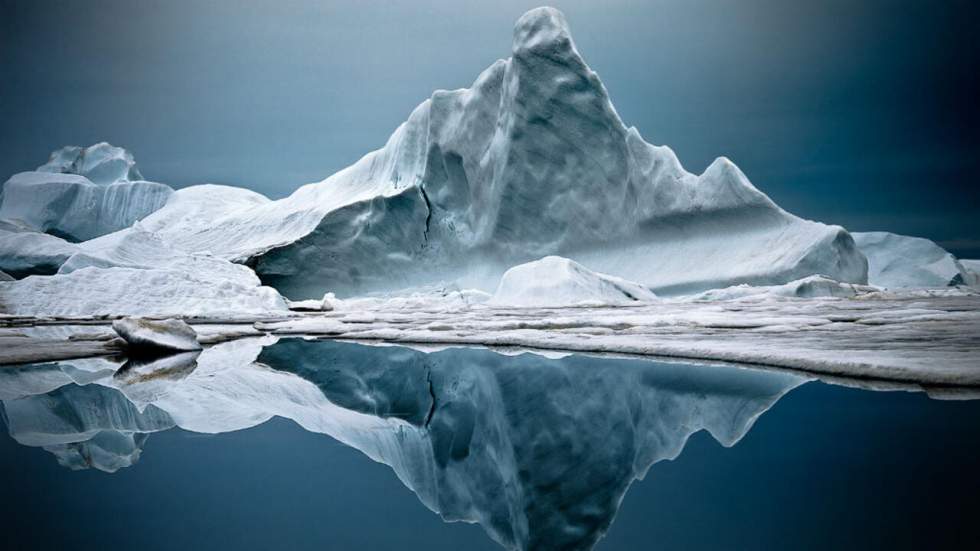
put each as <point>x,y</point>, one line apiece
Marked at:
<point>857,113</point>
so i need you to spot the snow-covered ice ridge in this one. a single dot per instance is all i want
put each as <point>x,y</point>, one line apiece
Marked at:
<point>531,160</point>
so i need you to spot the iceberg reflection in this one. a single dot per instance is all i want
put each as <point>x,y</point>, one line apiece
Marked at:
<point>540,451</point>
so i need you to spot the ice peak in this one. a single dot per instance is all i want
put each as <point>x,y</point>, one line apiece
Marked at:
<point>542,31</point>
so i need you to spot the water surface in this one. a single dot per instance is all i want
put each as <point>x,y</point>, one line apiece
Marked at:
<point>325,445</point>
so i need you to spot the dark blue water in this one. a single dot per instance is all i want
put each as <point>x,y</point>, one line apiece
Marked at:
<point>540,451</point>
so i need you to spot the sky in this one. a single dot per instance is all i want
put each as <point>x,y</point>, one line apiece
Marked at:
<point>862,114</point>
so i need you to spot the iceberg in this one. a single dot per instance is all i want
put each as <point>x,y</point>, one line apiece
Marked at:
<point>896,261</point>
<point>82,193</point>
<point>532,160</point>
<point>557,281</point>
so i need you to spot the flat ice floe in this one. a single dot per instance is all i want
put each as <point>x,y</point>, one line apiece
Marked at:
<point>927,337</point>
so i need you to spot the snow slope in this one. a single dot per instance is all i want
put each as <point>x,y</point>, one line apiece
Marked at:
<point>60,199</point>
<point>137,247</point>
<point>156,292</point>
<point>557,281</point>
<point>902,261</point>
<point>532,160</point>
<point>132,272</point>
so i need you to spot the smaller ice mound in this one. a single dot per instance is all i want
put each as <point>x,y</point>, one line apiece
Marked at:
<point>25,252</point>
<point>808,287</point>
<point>558,281</point>
<point>325,304</point>
<point>896,261</point>
<point>4,276</point>
<point>82,193</point>
<point>145,335</point>
<point>101,163</point>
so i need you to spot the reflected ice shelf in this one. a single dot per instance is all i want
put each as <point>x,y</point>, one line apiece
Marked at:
<point>539,450</point>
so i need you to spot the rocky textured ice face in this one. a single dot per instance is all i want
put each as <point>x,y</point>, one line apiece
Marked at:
<point>557,281</point>
<point>532,160</point>
<point>81,193</point>
<point>896,261</point>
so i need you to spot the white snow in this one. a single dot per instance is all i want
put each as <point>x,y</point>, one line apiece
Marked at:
<point>141,292</point>
<point>903,261</point>
<point>557,281</point>
<point>170,334</point>
<point>138,248</point>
